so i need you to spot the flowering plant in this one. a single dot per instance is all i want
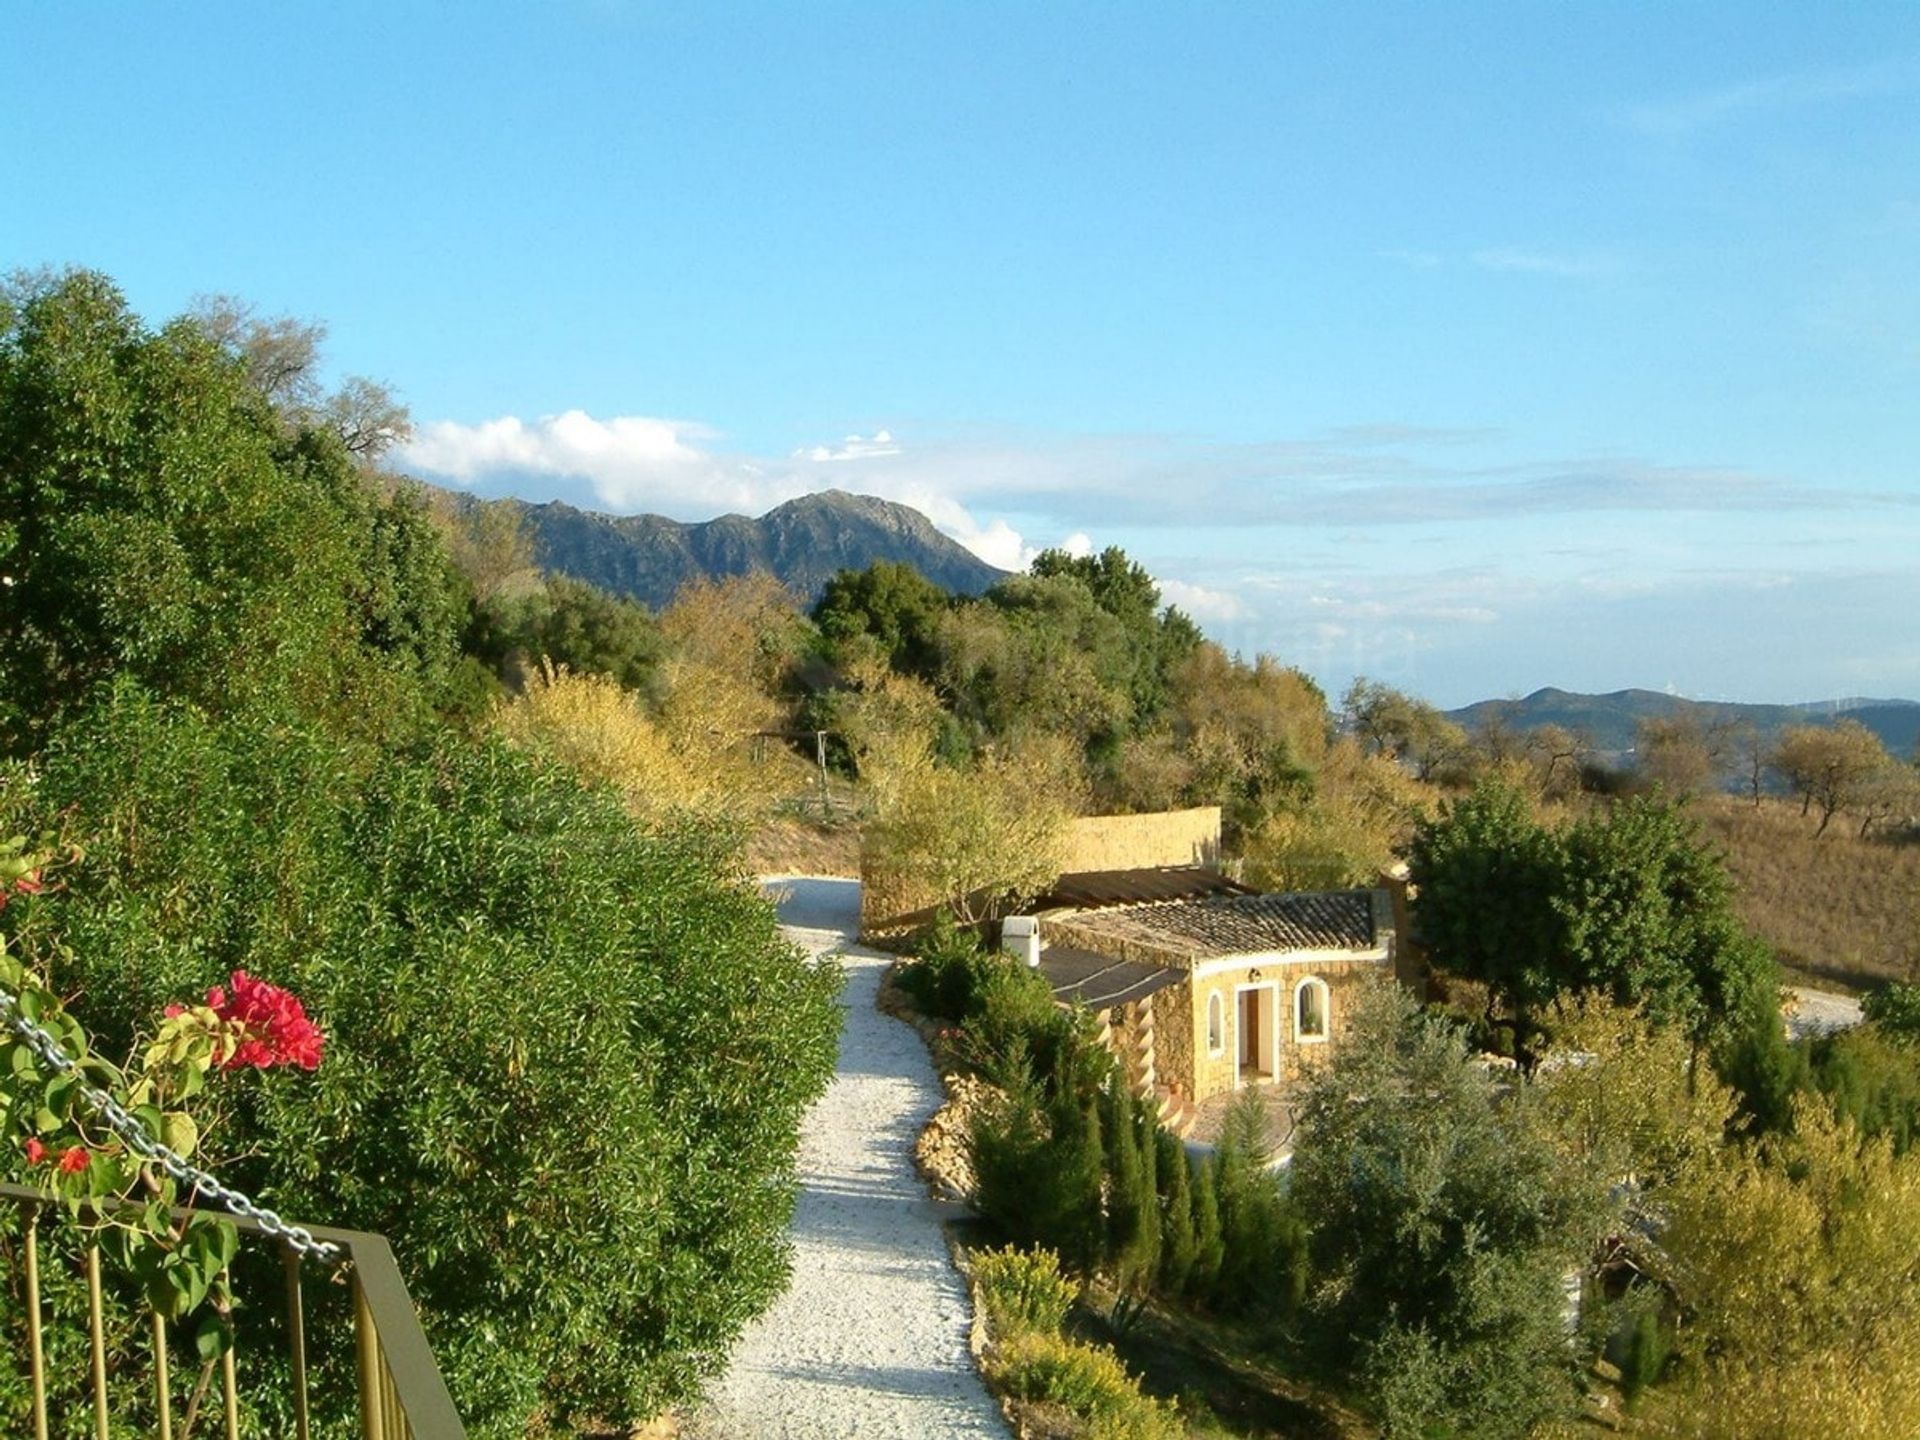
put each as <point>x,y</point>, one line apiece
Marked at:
<point>53,1136</point>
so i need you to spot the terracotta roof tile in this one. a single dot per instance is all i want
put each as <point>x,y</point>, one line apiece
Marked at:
<point>1242,924</point>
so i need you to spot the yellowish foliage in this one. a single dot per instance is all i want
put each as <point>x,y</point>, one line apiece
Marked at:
<point>697,755</point>
<point>890,723</point>
<point>745,626</point>
<point>1799,1265</point>
<point>1362,812</point>
<point>1626,1099</point>
<point>972,839</point>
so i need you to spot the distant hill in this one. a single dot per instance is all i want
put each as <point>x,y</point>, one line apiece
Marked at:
<point>802,543</point>
<point>1609,720</point>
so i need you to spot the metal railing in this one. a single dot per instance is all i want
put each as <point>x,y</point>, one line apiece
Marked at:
<point>401,1395</point>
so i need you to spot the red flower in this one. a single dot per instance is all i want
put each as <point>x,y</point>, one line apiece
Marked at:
<point>75,1160</point>
<point>29,884</point>
<point>36,1152</point>
<point>275,1028</point>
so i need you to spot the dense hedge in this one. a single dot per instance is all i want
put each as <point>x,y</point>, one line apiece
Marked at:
<point>566,1057</point>
<point>566,1060</point>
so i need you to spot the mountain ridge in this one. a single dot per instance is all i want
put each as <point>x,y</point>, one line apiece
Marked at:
<point>802,543</point>
<point>1608,718</point>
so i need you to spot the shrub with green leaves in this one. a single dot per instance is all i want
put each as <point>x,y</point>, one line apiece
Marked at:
<point>1023,1289</point>
<point>566,1059</point>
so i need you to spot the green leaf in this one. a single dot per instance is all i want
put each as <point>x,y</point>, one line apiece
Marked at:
<point>179,1133</point>
<point>212,1338</point>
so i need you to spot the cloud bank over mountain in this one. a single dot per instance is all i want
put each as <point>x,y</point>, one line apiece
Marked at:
<point>1429,555</point>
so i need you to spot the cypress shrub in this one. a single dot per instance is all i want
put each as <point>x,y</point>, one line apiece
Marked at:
<point>1177,1240</point>
<point>1208,1247</point>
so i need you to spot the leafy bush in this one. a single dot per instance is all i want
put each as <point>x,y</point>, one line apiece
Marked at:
<point>566,1058</point>
<point>1088,1380</point>
<point>1647,1349</point>
<point>1023,1290</point>
<point>1014,1012</point>
<point>1007,1012</point>
<point>1038,1166</point>
<point>1896,1010</point>
<point>949,970</point>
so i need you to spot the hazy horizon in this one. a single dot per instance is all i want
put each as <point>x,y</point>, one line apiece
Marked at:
<point>1472,348</point>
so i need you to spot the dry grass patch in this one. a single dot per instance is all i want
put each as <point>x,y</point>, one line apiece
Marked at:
<point>1839,910</point>
<point>787,846</point>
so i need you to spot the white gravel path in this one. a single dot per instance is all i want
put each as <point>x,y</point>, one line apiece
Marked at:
<point>1821,1012</point>
<point>871,1337</point>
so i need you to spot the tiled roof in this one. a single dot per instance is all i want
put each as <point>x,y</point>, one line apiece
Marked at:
<point>1100,980</point>
<point>1095,889</point>
<point>1242,924</point>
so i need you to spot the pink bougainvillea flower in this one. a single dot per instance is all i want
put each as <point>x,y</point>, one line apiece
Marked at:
<point>274,1026</point>
<point>36,1152</point>
<point>73,1161</point>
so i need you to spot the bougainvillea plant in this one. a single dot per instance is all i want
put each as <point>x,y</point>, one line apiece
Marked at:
<point>52,1139</point>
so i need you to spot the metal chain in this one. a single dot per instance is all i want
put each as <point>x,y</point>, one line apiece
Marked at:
<point>128,1127</point>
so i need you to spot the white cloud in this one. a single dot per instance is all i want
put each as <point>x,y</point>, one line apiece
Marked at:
<point>1079,545</point>
<point>628,461</point>
<point>854,447</point>
<point>1202,603</point>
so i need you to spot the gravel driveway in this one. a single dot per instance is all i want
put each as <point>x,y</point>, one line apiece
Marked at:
<point>1820,1012</point>
<point>871,1337</point>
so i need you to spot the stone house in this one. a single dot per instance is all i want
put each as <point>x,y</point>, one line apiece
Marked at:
<point>1201,986</point>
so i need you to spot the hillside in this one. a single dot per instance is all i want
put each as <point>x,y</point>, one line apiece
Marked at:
<point>802,543</point>
<point>1837,909</point>
<point>1609,720</point>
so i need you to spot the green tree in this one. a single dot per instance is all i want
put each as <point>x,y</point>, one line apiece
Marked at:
<point>1178,1244</point>
<point>1647,916</point>
<point>1208,1249</point>
<point>1133,1211</point>
<point>567,622</point>
<point>1158,640</point>
<point>160,521</point>
<point>1627,901</point>
<point>1829,766</point>
<point>890,603</point>
<point>1486,874</point>
<point>1443,1225</point>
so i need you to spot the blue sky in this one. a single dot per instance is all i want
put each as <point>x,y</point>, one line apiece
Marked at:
<point>1475,348</point>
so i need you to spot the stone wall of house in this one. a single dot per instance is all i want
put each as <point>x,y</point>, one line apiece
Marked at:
<point>1173,1037</point>
<point>1142,842</point>
<point>1214,1074</point>
<point>1132,1035</point>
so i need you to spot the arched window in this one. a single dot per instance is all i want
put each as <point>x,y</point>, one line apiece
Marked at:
<point>1216,1024</point>
<point>1311,1010</point>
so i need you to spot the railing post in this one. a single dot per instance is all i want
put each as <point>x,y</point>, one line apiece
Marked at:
<point>296,1340</point>
<point>162,1384</point>
<point>97,1343</point>
<point>36,1352</point>
<point>366,1346</point>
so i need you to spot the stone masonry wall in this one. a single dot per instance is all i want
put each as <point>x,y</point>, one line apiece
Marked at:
<point>1142,842</point>
<point>1214,1074</point>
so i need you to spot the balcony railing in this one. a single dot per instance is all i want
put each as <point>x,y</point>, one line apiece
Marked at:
<point>401,1395</point>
